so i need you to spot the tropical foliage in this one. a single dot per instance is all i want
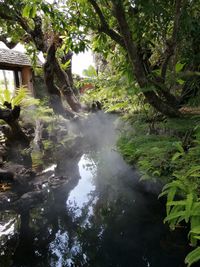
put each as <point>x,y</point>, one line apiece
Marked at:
<point>171,154</point>
<point>22,97</point>
<point>147,68</point>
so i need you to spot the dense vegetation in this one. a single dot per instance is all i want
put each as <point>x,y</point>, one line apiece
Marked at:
<point>147,56</point>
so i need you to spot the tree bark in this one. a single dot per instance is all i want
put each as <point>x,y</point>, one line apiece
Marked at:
<point>68,58</point>
<point>38,38</point>
<point>10,116</point>
<point>162,100</point>
<point>137,65</point>
<point>54,92</point>
<point>66,89</point>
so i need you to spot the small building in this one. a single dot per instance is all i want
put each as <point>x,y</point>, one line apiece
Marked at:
<point>86,87</point>
<point>15,70</point>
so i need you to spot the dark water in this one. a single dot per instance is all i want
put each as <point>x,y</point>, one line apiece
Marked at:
<point>106,219</point>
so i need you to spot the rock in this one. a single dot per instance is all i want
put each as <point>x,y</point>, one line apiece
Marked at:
<point>6,176</point>
<point>7,199</point>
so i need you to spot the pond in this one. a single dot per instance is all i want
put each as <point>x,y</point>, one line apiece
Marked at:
<point>105,218</point>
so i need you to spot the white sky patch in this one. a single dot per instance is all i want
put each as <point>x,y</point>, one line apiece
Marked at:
<point>82,61</point>
<point>79,62</point>
<point>18,47</point>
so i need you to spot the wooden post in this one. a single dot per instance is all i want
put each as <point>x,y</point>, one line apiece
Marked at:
<point>16,78</point>
<point>27,78</point>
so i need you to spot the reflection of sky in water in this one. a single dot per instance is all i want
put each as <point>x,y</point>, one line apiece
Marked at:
<point>51,168</point>
<point>81,195</point>
<point>63,249</point>
<point>8,228</point>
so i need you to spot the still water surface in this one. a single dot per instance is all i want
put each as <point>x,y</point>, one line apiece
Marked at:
<point>106,219</point>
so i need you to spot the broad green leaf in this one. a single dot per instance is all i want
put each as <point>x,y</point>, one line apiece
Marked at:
<point>179,66</point>
<point>33,11</point>
<point>26,11</point>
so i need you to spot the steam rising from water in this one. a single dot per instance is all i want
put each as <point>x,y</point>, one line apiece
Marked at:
<point>107,219</point>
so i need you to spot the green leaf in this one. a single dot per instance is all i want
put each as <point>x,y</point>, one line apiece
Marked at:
<point>117,106</point>
<point>180,81</point>
<point>188,207</point>
<point>194,222</point>
<point>162,194</point>
<point>7,95</point>
<point>176,156</point>
<point>195,230</point>
<point>33,11</point>
<point>194,226</point>
<point>193,256</point>
<point>176,203</point>
<point>156,173</point>
<point>175,221</point>
<point>179,66</point>
<point>197,237</point>
<point>179,146</point>
<point>26,11</point>
<point>170,197</point>
<point>175,215</point>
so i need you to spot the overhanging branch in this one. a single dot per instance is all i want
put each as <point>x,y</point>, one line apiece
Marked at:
<point>105,27</point>
<point>9,44</point>
<point>172,42</point>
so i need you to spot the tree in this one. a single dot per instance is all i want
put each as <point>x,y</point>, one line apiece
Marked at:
<point>144,31</point>
<point>90,72</point>
<point>151,36</point>
<point>37,23</point>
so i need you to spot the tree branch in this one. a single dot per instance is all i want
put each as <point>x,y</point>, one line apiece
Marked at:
<point>36,34</point>
<point>9,44</point>
<point>105,27</point>
<point>3,15</point>
<point>172,42</point>
<point>130,45</point>
<point>137,63</point>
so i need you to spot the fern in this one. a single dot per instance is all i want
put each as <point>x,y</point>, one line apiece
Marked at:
<point>193,256</point>
<point>22,97</point>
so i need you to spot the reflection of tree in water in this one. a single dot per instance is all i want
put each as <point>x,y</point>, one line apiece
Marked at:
<point>8,235</point>
<point>40,225</point>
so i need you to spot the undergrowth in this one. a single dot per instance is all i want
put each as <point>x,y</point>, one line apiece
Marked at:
<point>170,150</point>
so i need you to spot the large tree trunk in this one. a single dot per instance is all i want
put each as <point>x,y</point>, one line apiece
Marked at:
<point>54,93</point>
<point>66,88</point>
<point>67,58</point>
<point>52,66</point>
<point>153,99</point>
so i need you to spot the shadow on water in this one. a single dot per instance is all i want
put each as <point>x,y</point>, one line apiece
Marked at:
<point>104,218</point>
